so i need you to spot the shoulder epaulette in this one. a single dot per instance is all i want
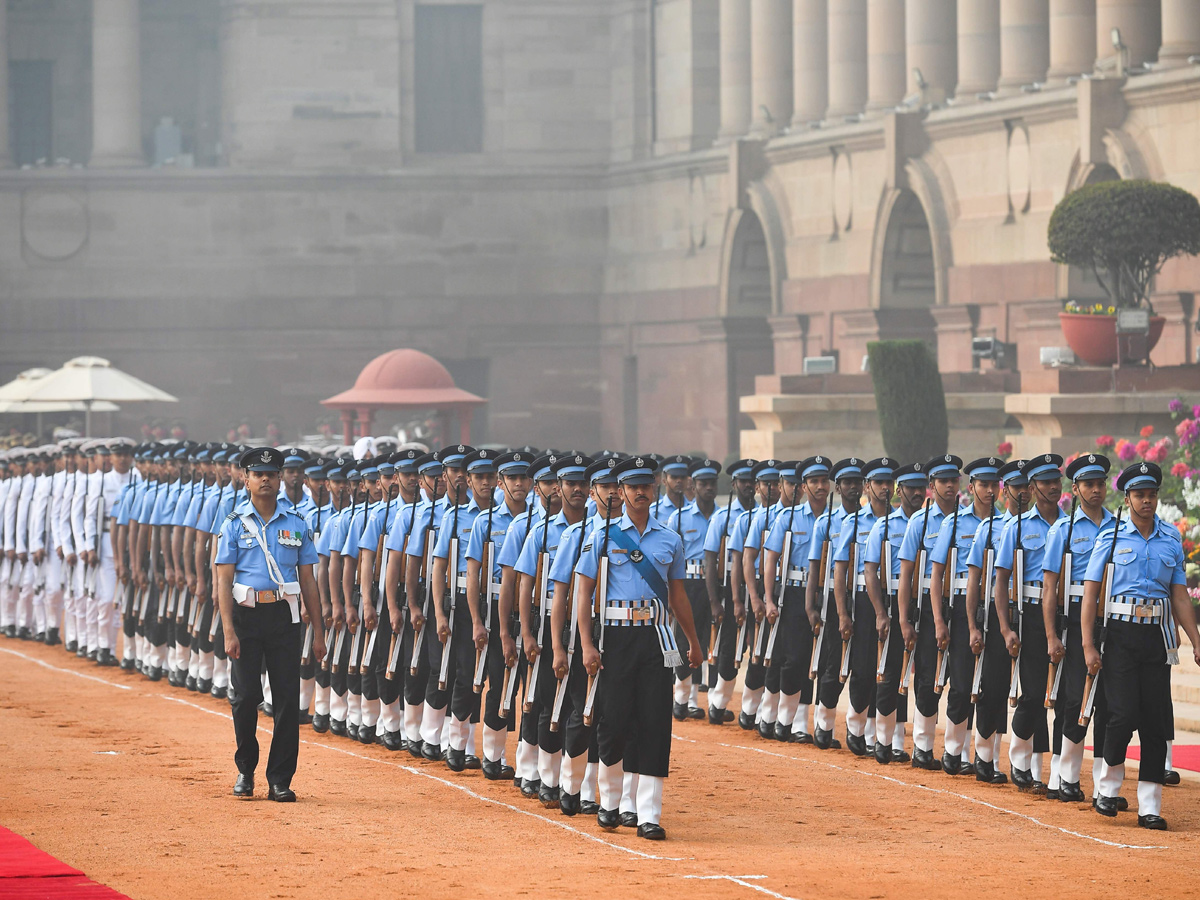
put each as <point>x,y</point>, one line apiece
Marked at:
<point>231,517</point>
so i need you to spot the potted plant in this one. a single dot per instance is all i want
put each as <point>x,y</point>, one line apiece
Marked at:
<point>1123,231</point>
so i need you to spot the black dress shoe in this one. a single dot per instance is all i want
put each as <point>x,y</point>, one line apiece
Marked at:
<point>103,656</point>
<point>608,819</point>
<point>1051,794</point>
<point>23,633</point>
<point>1171,777</point>
<point>305,717</point>
<point>548,796</point>
<point>80,653</point>
<point>191,683</point>
<point>766,730</point>
<point>391,740</point>
<point>127,666</point>
<point>203,685</point>
<point>984,771</point>
<point>679,711</point>
<point>568,804</point>
<point>900,756</point>
<point>244,786</point>
<point>728,715</point>
<point>651,832</point>
<point>11,632</point>
<point>456,760</point>
<point>70,647</point>
<point>268,710</point>
<point>352,731</point>
<point>746,722</point>
<point>1022,779</point>
<point>590,808</point>
<point>1106,806</point>
<point>155,673</point>
<point>1038,788</point>
<point>366,734</point>
<point>883,753</point>
<point>416,749</point>
<point>951,763</point>
<point>40,637</point>
<point>1122,804</point>
<point>474,763</point>
<point>966,767</point>
<point>92,654</point>
<point>695,712</point>
<point>824,740</point>
<point>338,727</point>
<point>1154,823</point>
<point>800,737</point>
<point>1068,792</point>
<point>52,637</point>
<point>320,723</point>
<point>431,752</point>
<point>173,679</point>
<point>629,819</point>
<point>281,794</point>
<point>498,771</point>
<point>530,787</point>
<point>220,692</point>
<point>716,716</point>
<point>924,759</point>
<point>856,743</point>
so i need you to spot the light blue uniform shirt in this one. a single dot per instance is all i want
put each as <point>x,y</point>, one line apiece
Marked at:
<point>1083,538</point>
<point>802,522</point>
<point>721,526</point>
<point>828,524</point>
<point>841,550</point>
<point>890,528</point>
<point>501,519</point>
<point>509,552</point>
<point>143,506</point>
<point>202,492</point>
<point>334,536</point>
<point>962,533</point>
<point>693,530</point>
<point>1145,567</point>
<point>286,536</point>
<point>761,521</point>
<point>660,546</point>
<point>228,501</point>
<point>125,505</point>
<point>427,519</point>
<point>164,507</point>
<point>464,521</point>
<point>383,520</point>
<point>569,550</point>
<point>909,549</point>
<point>183,502</point>
<point>1034,530</point>
<point>662,508</point>
<point>356,526</point>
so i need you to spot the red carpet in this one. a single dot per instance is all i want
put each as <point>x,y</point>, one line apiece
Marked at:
<point>1185,756</point>
<point>27,873</point>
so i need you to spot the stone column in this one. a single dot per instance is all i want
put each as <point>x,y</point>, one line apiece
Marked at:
<point>886,74</point>
<point>116,84</point>
<point>1180,30</point>
<point>1024,43</point>
<point>810,60</point>
<point>5,139</point>
<point>1140,22</point>
<point>735,68</point>
<point>978,48</point>
<point>1072,50</point>
<point>771,65</point>
<point>930,29</point>
<point>847,58</point>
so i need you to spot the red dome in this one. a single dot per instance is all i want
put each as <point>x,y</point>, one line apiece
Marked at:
<point>403,369</point>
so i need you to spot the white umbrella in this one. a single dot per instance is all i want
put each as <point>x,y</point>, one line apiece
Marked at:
<point>36,406</point>
<point>88,379</point>
<point>20,387</point>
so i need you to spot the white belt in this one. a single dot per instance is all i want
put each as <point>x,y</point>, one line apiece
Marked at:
<point>1138,611</point>
<point>1075,590</point>
<point>958,584</point>
<point>694,568</point>
<point>1032,591</point>
<point>797,577</point>
<point>248,596</point>
<point>860,581</point>
<point>638,614</point>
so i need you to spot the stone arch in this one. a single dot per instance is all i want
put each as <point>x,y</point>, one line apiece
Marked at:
<point>753,258</point>
<point>911,248</point>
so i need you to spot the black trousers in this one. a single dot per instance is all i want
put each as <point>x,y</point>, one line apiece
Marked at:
<point>415,685</point>
<point>267,635</point>
<point>464,702</point>
<point>991,710</point>
<point>960,668</point>
<point>578,738</point>
<point>887,689</point>
<point>203,625</point>
<point>1070,685</point>
<point>183,636</point>
<point>793,646</point>
<point>727,639</point>
<point>829,661</point>
<point>635,705</point>
<point>495,676</point>
<point>864,655</point>
<point>374,678</point>
<point>340,678</point>
<point>925,663</point>
<point>1137,683</point>
<point>697,595</point>
<point>543,690</point>
<point>1029,719</point>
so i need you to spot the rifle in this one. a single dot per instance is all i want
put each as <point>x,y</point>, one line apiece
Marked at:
<point>540,582</point>
<point>355,600</point>
<point>486,586</point>
<point>376,581</point>
<point>714,637</point>
<point>943,657</point>
<point>885,577</point>
<point>760,643</point>
<point>600,598</point>
<point>427,603</point>
<point>823,587</point>
<point>397,636</point>
<point>989,564</point>
<point>560,691</point>
<point>1106,587</point>
<point>852,587</point>
<point>452,581</point>
<point>1016,603</point>
<point>785,561</point>
<point>917,589</point>
<point>1054,674</point>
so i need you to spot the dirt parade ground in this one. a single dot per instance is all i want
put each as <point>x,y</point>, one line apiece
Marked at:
<point>130,782</point>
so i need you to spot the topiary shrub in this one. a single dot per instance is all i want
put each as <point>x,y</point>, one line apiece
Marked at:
<point>909,400</point>
<point>1124,231</point>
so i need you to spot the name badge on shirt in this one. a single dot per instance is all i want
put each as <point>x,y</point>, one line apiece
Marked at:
<point>289,538</point>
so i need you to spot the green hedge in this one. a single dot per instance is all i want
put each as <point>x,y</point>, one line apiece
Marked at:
<point>909,400</point>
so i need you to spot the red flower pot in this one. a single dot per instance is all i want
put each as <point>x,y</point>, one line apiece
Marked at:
<point>1094,338</point>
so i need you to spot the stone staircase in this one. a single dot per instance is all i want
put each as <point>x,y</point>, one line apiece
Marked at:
<point>1185,690</point>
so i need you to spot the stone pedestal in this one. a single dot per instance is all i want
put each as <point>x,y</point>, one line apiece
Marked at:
<point>955,327</point>
<point>1070,423</point>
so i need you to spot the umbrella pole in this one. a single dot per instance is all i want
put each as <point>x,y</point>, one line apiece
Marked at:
<point>87,419</point>
<point>39,426</point>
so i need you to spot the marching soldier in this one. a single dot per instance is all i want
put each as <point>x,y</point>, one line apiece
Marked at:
<point>644,568</point>
<point>1145,598</point>
<point>856,614</point>
<point>754,574</point>
<point>326,525</point>
<point>920,620</point>
<point>1019,558</point>
<point>673,475</point>
<point>1070,540</point>
<point>952,552</point>
<point>691,524</point>
<point>725,606</point>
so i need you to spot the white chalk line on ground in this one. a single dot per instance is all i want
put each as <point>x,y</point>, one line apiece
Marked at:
<point>742,880</point>
<point>908,784</point>
<point>46,665</point>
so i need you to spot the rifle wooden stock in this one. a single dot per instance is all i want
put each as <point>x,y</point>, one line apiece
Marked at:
<point>560,691</point>
<point>452,575</point>
<point>306,649</point>
<point>1091,682</point>
<point>714,636</point>
<point>600,596</point>
<point>485,594</point>
<point>539,586</point>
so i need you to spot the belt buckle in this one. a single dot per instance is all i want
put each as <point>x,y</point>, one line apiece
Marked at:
<point>641,613</point>
<point>266,597</point>
<point>1143,611</point>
